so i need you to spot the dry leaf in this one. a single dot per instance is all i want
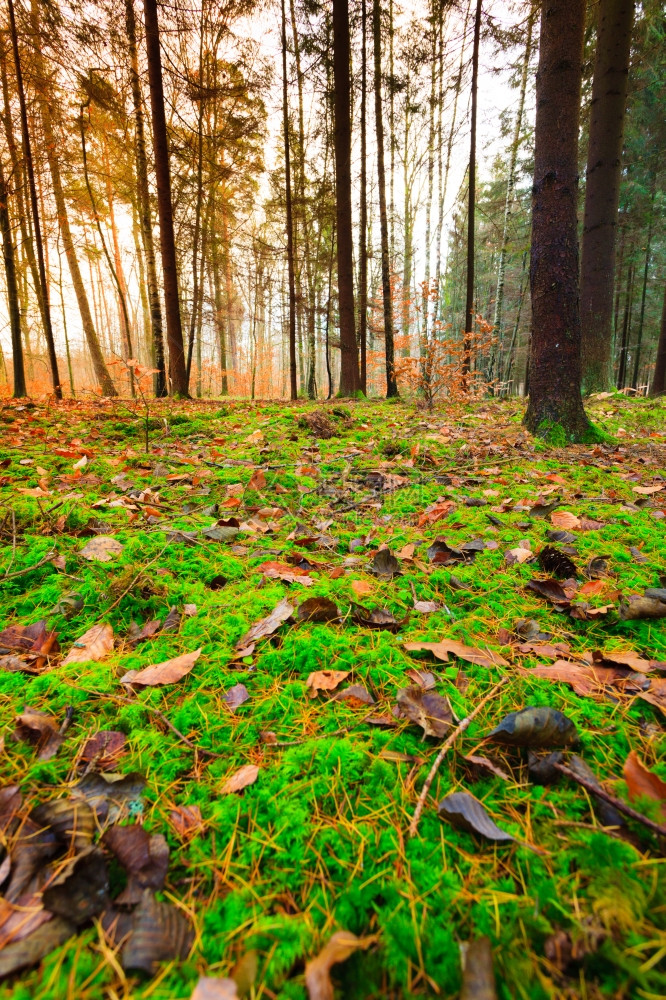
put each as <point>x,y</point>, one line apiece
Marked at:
<point>257,480</point>
<point>564,519</point>
<point>186,821</point>
<point>641,781</point>
<point>264,627</point>
<point>162,673</point>
<point>436,513</point>
<point>361,588</point>
<point>647,490</point>
<point>93,645</point>
<point>101,548</point>
<point>236,696</point>
<point>535,727</point>
<point>325,680</point>
<point>104,748</point>
<point>41,731</point>
<point>337,949</point>
<point>442,649</point>
<point>427,709</point>
<point>240,779</point>
<point>465,812</point>
<point>215,989</point>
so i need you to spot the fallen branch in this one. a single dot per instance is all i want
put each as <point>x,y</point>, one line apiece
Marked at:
<point>28,569</point>
<point>446,746</point>
<point>621,806</point>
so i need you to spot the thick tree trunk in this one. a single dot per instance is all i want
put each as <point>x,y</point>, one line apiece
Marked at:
<point>144,206</point>
<point>27,154</point>
<point>555,370</point>
<point>12,289</point>
<point>293,389</point>
<point>349,374</point>
<point>658,387</point>
<point>391,383</point>
<point>471,208</point>
<point>177,369</point>
<point>602,189</point>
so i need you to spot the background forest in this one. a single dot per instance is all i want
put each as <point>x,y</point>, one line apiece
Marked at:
<point>249,95</point>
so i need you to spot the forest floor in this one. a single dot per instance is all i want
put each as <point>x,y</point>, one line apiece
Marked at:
<point>263,790</point>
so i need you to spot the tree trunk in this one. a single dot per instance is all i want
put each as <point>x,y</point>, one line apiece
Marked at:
<point>626,325</point>
<point>510,187</point>
<point>602,189</point>
<point>658,387</point>
<point>641,318</point>
<point>12,289</point>
<point>27,154</point>
<point>363,214</point>
<point>177,369</point>
<point>196,290</point>
<point>425,297</point>
<point>144,205</point>
<point>391,383</point>
<point>555,369</point>
<point>471,210</point>
<point>293,389</point>
<point>349,374</point>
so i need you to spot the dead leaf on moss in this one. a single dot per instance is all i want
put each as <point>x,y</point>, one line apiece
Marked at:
<point>186,821</point>
<point>93,645</point>
<point>101,548</point>
<point>444,647</point>
<point>240,779</point>
<point>641,781</point>
<point>464,812</point>
<point>362,588</point>
<point>380,618</point>
<point>168,672</point>
<point>355,695</point>
<point>159,932</point>
<point>564,519</point>
<point>104,749</point>
<point>215,989</point>
<point>318,610</point>
<point>236,696</point>
<point>535,727</point>
<point>41,731</point>
<point>426,709</point>
<point>337,949</point>
<point>288,574</point>
<point>325,680</point>
<point>264,627</point>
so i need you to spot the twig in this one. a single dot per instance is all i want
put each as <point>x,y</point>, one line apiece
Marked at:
<point>136,579</point>
<point>446,746</point>
<point>321,736</point>
<point>28,569</point>
<point>621,806</point>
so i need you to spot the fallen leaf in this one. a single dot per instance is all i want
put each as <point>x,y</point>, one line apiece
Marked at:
<point>518,555</point>
<point>478,976</point>
<point>587,680</point>
<point>186,821</point>
<point>318,610</point>
<point>361,588</point>
<point>647,490</point>
<point>337,949</point>
<point>101,548</point>
<point>441,650</point>
<point>641,781</point>
<point>80,891</point>
<point>636,608</point>
<point>385,565</point>
<point>436,513</point>
<point>380,618</point>
<point>288,574</point>
<point>144,856</point>
<point>535,727</point>
<point>257,480</point>
<point>40,730</point>
<point>487,765</point>
<point>592,588</point>
<point>551,589</point>
<point>264,627</point>
<point>32,949</point>
<point>627,658</point>
<point>464,812</point>
<point>240,779</point>
<point>93,645</point>
<point>215,989</point>
<point>423,678</point>
<point>236,696</point>
<point>426,709</point>
<point>159,932</point>
<point>355,695</point>
<point>168,672</point>
<point>325,680</point>
<point>104,749</point>
<point>564,519</point>
<point>110,796</point>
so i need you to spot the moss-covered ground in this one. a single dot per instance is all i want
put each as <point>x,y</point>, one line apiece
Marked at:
<point>319,842</point>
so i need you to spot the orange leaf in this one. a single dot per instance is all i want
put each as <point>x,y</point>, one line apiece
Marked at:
<point>592,587</point>
<point>93,645</point>
<point>641,781</point>
<point>240,779</point>
<point>162,673</point>
<point>564,519</point>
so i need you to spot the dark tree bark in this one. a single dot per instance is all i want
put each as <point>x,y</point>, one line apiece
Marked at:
<point>391,384</point>
<point>658,387</point>
<point>349,374</point>
<point>293,389</point>
<point>602,190</point>
<point>471,210</point>
<point>555,368</point>
<point>177,368</point>
<point>12,289</point>
<point>27,155</point>
<point>626,326</point>
<point>363,214</point>
<point>144,206</point>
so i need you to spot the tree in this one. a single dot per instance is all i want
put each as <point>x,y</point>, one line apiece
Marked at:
<point>349,373</point>
<point>391,383</point>
<point>471,180</point>
<point>177,367</point>
<point>658,387</point>
<point>602,189</point>
<point>555,365</point>
<point>289,215</point>
<point>12,288</point>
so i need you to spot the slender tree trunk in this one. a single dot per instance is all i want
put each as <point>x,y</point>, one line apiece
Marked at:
<point>349,374</point>
<point>196,291</point>
<point>510,188</point>
<point>144,205</point>
<point>425,297</point>
<point>219,314</point>
<point>64,326</point>
<point>555,369</point>
<point>12,289</point>
<point>363,214</point>
<point>641,318</point>
<point>177,368</point>
<point>391,383</point>
<point>658,387</point>
<point>392,140</point>
<point>602,189</point>
<point>293,389</point>
<point>471,210</point>
<point>626,325</point>
<point>125,326</point>
<point>27,154</point>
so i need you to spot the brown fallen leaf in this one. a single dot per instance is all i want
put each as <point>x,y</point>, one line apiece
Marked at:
<point>486,765</point>
<point>565,519</point>
<point>337,949</point>
<point>627,658</point>
<point>641,781</point>
<point>362,588</point>
<point>647,490</point>
<point>426,709</point>
<point>325,680</point>
<point>355,695</point>
<point>637,608</point>
<point>288,574</point>
<point>159,932</point>
<point>94,644</point>
<point>168,672</point>
<point>264,627</point>
<point>215,989</point>
<point>444,647</point>
<point>257,480</point>
<point>144,856</point>
<point>236,696</point>
<point>39,729</point>
<point>464,812</point>
<point>240,779</point>
<point>587,680</point>
<point>435,513</point>
<point>186,821</point>
<point>318,610</point>
<point>101,549</point>
<point>478,976</point>
<point>104,748</point>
